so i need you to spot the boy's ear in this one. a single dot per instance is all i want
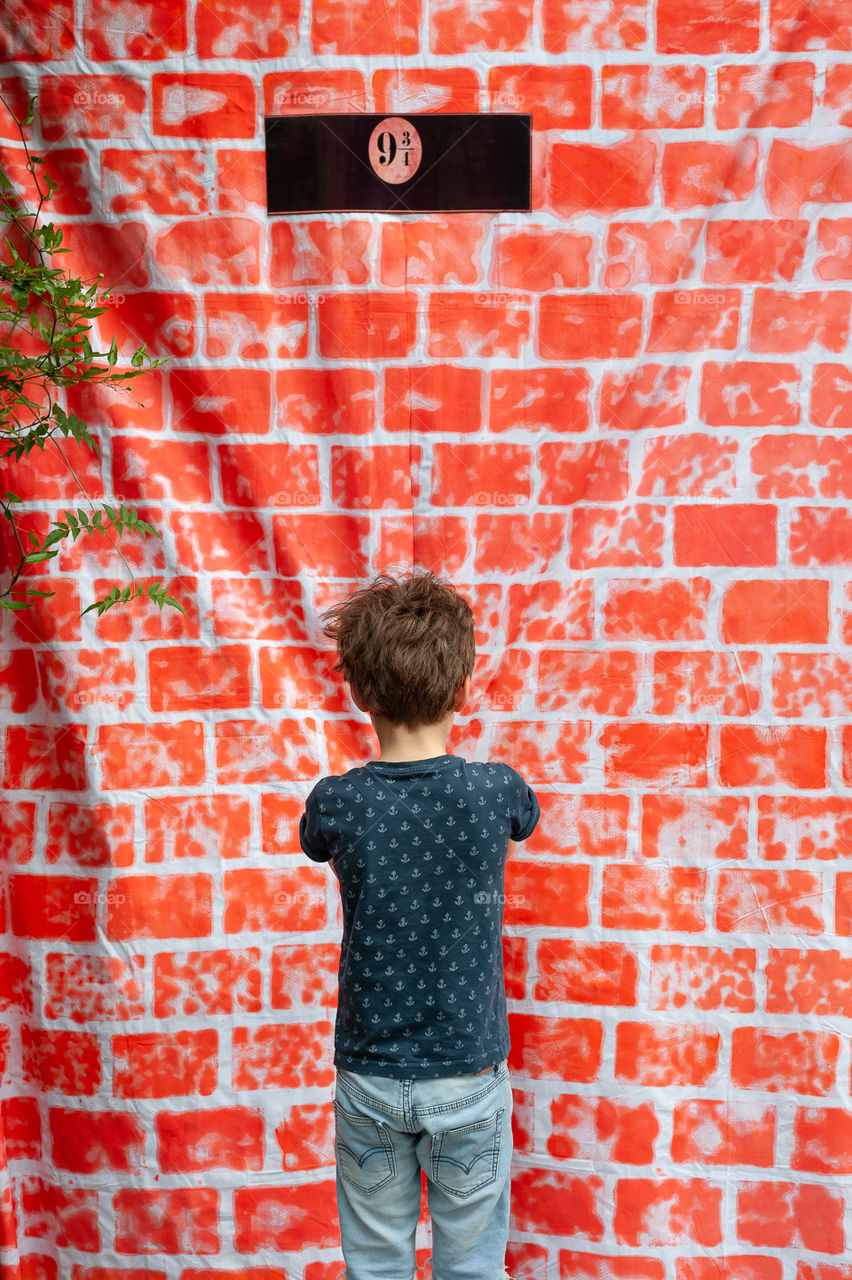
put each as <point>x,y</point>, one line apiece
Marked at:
<point>464,694</point>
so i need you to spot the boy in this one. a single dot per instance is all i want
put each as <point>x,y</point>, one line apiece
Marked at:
<point>418,841</point>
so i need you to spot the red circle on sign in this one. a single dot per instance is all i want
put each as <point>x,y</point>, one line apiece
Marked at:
<point>395,149</point>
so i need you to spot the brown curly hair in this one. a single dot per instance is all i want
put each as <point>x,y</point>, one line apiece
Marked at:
<point>405,646</point>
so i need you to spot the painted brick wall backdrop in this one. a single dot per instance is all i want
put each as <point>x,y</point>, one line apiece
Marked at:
<point>619,423</point>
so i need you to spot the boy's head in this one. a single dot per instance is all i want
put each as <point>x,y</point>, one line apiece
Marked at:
<point>405,646</point>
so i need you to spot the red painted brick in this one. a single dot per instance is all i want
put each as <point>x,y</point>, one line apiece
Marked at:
<point>321,253</point>
<point>240,181</point>
<point>217,251</point>
<point>220,401</point>
<point>665,755</point>
<point>143,469</point>
<point>634,896</point>
<point>820,536</point>
<point>248,751</point>
<point>834,105</point>
<point>708,173</point>
<point>282,1056</point>
<point>431,397</point>
<point>554,399</point>
<point>667,1212</point>
<point>53,907</point>
<point>382,476</point>
<point>540,259</point>
<point>823,1141</point>
<point>193,826</point>
<point>799,827</point>
<point>164,322</point>
<point>67,1061</point>
<point>741,250</point>
<point>821,24</point>
<point>269,475</point>
<point>327,401</point>
<point>456,27</point>
<point>725,535</point>
<point>359,30</point>
<point>695,683</point>
<point>694,320</point>
<point>550,751</point>
<point>187,678</point>
<point>303,975</point>
<point>656,609</point>
<point>433,251</point>
<point>764,97</point>
<point>650,395</point>
<point>136,620</point>
<point>809,685</point>
<point>702,978</point>
<point>589,326</point>
<point>251,29</point>
<point>258,609</point>
<point>710,827</point>
<point>833,237</point>
<point>471,325</point>
<point>69,167</point>
<point>156,31</point>
<point>330,545</point>
<point>366,326</point>
<point>202,105</point>
<point>165,182</point>
<point>708,26</point>
<point>528,897</point>
<point>591,1128</point>
<point>779,1062</point>
<point>650,253</point>
<point>808,983</point>
<point>662,1054</point>
<point>223,1138</point>
<point>750,394</point>
<point>161,1064</point>
<point>555,1048</point>
<point>558,1203</point>
<point>795,321</point>
<point>305,1137</point>
<point>601,180</point>
<point>584,683</point>
<point>83,106</point>
<point>18,831</point>
<point>155,906</point>
<point>21,1128</point>
<point>96,1141</point>
<point>693,465</point>
<point>404,89</point>
<point>71,1213</point>
<point>552,611</point>
<point>606,974</point>
<point>480,475</point>
<point>556,97</point>
<point>615,24</point>
<point>652,97</point>
<point>16,988</point>
<point>723,1133</point>
<point>73,679</point>
<point>18,681</point>
<point>41,758</point>
<point>209,983</point>
<point>151,755</point>
<point>628,536</point>
<point>105,407</point>
<point>758,901</point>
<point>37,34</point>
<point>17,93</point>
<point>298,678</point>
<point>183,1220</point>
<point>96,987</point>
<point>256,326</point>
<point>772,756</point>
<point>220,540</point>
<point>279,818</point>
<point>314,91</point>
<point>797,175</point>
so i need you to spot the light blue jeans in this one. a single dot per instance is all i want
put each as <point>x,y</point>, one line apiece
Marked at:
<point>458,1130</point>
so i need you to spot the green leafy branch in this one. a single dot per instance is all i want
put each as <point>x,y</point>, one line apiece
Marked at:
<point>46,317</point>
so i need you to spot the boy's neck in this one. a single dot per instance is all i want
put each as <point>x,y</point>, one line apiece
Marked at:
<point>400,744</point>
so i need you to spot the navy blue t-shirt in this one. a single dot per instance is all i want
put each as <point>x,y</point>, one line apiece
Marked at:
<point>419,848</point>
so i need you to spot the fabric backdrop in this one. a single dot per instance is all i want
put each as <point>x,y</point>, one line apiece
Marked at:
<point>620,424</point>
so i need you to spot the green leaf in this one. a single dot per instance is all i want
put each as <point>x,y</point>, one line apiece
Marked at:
<point>36,557</point>
<point>31,591</point>
<point>113,353</point>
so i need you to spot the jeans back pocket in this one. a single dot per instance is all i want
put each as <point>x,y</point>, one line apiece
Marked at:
<point>364,1151</point>
<point>465,1159</point>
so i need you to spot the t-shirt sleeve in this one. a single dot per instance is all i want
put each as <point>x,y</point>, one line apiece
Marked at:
<point>524,809</point>
<point>311,836</point>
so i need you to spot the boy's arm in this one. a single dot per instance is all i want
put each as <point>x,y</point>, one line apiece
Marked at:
<point>524,809</point>
<point>311,836</point>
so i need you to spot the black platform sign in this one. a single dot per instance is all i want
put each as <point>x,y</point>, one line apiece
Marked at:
<point>417,163</point>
